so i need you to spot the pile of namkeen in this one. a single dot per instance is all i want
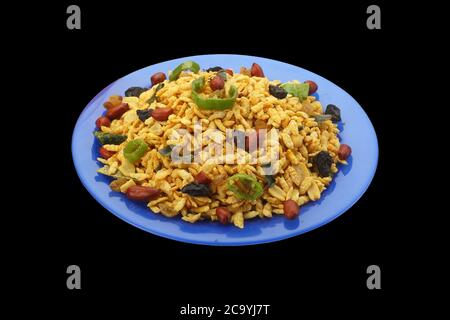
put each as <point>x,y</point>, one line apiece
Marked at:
<point>217,145</point>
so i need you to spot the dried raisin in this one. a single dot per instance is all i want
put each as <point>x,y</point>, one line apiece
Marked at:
<point>197,190</point>
<point>144,114</point>
<point>322,162</point>
<point>134,91</point>
<point>214,69</point>
<point>277,92</point>
<point>334,111</point>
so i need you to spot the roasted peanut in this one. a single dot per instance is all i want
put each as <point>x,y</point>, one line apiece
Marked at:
<point>117,112</point>
<point>290,209</point>
<point>223,214</point>
<point>344,151</point>
<point>141,193</point>
<point>105,154</point>
<point>162,114</point>
<point>102,121</point>
<point>216,83</point>
<point>202,178</point>
<point>256,70</point>
<point>312,86</point>
<point>157,78</point>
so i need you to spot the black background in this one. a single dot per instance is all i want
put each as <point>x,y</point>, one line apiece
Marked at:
<point>323,270</point>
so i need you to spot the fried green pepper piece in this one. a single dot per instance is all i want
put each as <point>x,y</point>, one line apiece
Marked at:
<point>109,138</point>
<point>188,65</point>
<point>212,103</point>
<point>135,150</point>
<point>244,186</point>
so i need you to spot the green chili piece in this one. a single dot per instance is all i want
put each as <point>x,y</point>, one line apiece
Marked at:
<point>244,186</point>
<point>188,65</point>
<point>212,103</point>
<point>109,138</point>
<point>135,150</point>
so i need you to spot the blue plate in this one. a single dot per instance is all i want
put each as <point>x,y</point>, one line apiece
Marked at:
<point>347,187</point>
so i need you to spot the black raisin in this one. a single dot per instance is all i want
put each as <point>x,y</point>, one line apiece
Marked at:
<point>167,150</point>
<point>277,92</point>
<point>144,114</point>
<point>197,190</point>
<point>214,69</point>
<point>270,180</point>
<point>322,162</point>
<point>134,91</point>
<point>334,111</point>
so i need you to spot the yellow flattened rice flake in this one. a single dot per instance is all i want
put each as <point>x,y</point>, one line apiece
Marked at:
<point>179,204</point>
<point>133,102</point>
<point>113,168</point>
<point>126,168</point>
<point>238,219</point>
<point>155,202</point>
<point>277,192</point>
<point>192,217</point>
<point>251,214</point>
<point>124,187</point>
<point>163,173</point>
<point>101,160</point>
<point>201,209</point>
<point>139,176</point>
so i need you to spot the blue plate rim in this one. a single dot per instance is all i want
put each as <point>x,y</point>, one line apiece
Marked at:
<point>236,242</point>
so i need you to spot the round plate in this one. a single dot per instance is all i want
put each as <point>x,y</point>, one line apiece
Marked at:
<point>347,187</point>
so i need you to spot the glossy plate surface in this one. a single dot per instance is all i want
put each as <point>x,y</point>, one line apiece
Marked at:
<point>347,187</point>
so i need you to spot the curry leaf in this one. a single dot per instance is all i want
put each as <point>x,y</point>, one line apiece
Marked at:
<point>322,117</point>
<point>299,90</point>
<point>154,97</point>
